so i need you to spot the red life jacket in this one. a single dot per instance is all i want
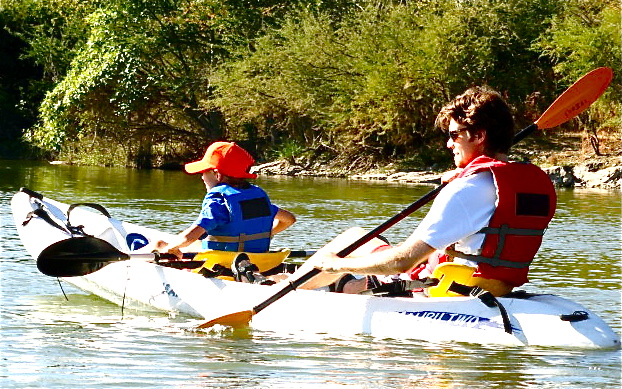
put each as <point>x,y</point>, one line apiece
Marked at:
<point>526,203</point>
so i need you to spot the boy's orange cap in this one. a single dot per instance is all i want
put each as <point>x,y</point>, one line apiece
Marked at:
<point>229,158</point>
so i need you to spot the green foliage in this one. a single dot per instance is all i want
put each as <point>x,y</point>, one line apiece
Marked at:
<point>373,83</point>
<point>144,70</point>
<point>583,37</point>
<point>54,31</point>
<point>288,150</point>
<point>38,42</point>
<point>365,79</point>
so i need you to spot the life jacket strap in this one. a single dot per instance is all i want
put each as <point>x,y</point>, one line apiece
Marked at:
<point>503,231</point>
<point>239,239</point>
<point>490,261</point>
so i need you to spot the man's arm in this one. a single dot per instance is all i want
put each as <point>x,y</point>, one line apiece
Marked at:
<point>395,260</point>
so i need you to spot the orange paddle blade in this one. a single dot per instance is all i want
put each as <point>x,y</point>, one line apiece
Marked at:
<point>577,98</point>
<point>235,320</point>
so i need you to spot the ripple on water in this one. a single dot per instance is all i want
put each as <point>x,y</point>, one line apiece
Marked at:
<point>49,342</point>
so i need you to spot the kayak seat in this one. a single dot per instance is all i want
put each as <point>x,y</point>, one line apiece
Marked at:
<point>216,260</point>
<point>450,273</point>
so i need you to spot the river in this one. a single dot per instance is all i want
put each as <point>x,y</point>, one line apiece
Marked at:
<point>48,341</point>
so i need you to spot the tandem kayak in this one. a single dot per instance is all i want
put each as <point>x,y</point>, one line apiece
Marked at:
<point>46,226</point>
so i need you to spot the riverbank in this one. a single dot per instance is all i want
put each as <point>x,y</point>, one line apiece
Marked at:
<point>567,159</point>
<point>584,175</point>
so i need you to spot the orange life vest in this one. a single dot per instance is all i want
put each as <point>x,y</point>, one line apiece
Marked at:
<point>526,203</point>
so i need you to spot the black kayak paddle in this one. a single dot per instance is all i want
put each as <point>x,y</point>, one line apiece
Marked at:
<point>84,255</point>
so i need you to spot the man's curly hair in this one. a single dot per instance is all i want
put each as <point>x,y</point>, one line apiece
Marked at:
<point>481,108</point>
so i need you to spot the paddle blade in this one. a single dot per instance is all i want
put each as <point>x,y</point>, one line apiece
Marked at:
<point>235,320</point>
<point>77,257</point>
<point>577,98</point>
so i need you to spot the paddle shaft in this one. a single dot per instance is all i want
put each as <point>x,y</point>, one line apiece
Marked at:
<point>292,254</point>
<point>157,257</point>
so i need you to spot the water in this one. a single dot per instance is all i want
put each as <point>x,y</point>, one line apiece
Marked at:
<point>50,342</point>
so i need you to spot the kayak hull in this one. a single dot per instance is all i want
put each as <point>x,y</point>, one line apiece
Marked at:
<point>535,319</point>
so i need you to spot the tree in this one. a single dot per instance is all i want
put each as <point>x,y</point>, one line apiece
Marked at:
<point>583,37</point>
<point>38,41</point>
<point>141,82</point>
<point>143,76</point>
<point>369,87</point>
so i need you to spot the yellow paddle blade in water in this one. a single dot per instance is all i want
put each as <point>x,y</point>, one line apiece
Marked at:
<point>235,320</point>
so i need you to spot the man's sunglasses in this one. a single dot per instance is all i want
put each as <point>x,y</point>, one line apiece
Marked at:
<point>454,134</point>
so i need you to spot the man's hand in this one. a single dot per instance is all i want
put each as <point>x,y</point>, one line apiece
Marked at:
<point>328,262</point>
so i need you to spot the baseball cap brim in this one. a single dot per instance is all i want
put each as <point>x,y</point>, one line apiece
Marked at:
<point>197,167</point>
<point>229,158</point>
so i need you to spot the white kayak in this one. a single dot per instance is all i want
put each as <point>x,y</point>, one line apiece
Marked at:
<point>529,319</point>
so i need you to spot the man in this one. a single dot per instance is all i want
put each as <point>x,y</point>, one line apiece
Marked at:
<point>491,215</point>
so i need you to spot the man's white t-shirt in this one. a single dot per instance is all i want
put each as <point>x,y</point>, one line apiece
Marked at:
<point>460,210</point>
